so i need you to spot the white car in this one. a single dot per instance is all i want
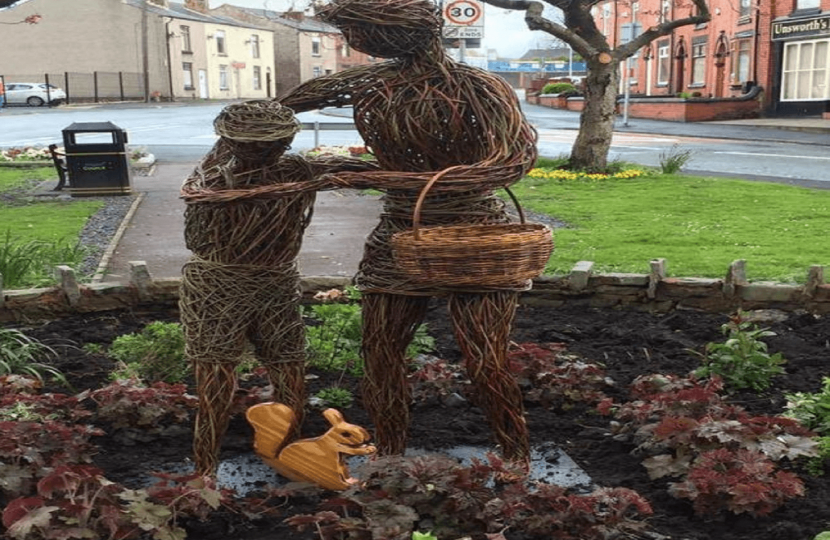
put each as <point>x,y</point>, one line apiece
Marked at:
<point>33,94</point>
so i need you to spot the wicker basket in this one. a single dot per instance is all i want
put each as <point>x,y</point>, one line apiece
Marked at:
<point>489,256</point>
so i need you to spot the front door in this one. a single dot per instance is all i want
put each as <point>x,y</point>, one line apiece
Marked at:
<point>203,89</point>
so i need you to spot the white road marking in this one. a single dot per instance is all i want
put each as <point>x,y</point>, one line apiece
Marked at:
<point>772,155</point>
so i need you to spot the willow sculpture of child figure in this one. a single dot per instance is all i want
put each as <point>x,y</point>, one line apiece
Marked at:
<point>426,117</point>
<point>248,205</point>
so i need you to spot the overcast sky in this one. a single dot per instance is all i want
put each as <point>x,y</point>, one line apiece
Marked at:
<point>504,30</point>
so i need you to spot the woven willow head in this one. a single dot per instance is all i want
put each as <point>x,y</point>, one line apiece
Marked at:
<point>257,130</point>
<point>386,28</point>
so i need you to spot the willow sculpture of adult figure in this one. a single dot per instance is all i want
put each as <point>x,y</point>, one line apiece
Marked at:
<point>423,114</point>
<point>248,205</point>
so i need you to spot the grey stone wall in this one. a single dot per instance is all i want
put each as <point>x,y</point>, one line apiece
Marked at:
<point>653,292</point>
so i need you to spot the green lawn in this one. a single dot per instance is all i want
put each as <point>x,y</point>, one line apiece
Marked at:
<point>36,234</point>
<point>699,225</point>
<point>43,219</point>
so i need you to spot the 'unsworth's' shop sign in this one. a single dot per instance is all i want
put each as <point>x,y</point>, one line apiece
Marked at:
<point>794,28</point>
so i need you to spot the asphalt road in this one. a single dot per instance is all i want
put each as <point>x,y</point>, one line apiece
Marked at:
<point>183,132</point>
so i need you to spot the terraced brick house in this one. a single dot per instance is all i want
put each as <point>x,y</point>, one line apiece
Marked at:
<point>779,48</point>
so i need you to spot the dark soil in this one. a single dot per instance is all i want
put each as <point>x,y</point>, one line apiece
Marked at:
<point>627,343</point>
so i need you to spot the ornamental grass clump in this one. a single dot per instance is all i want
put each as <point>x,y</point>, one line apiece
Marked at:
<point>22,355</point>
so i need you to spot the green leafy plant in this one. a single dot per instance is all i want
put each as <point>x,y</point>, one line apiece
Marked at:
<point>674,159</point>
<point>823,536</point>
<point>93,348</point>
<point>743,360</point>
<point>155,353</point>
<point>22,355</point>
<point>423,536</point>
<point>334,396</point>
<point>334,333</point>
<point>811,409</point>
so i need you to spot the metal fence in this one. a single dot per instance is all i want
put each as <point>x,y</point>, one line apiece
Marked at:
<point>95,87</point>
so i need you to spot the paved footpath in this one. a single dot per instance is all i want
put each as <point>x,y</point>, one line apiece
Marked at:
<point>332,246</point>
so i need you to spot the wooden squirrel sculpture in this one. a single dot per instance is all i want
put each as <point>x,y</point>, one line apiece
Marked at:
<point>319,460</point>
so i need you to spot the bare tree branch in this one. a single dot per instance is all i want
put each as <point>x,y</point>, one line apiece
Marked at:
<point>624,51</point>
<point>536,21</point>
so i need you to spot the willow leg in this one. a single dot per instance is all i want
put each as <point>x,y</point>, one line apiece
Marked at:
<point>215,383</point>
<point>214,340</point>
<point>482,324</point>
<point>389,324</point>
<point>280,346</point>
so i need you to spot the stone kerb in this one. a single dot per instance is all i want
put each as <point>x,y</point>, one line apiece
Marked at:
<point>654,291</point>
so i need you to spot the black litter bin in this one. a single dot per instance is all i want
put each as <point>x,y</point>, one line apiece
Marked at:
<point>96,159</point>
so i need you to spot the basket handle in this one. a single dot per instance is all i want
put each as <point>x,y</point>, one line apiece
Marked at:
<point>416,216</point>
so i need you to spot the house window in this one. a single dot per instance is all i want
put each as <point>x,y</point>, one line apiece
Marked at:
<point>606,16</point>
<point>315,46</point>
<point>663,63</point>
<point>665,9</point>
<point>220,42</point>
<point>740,61</point>
<point>345,50</point>
<point>805,74</point>
<point>223,77</point>
<point>745,8</point>
<point>187,72</point>
<point>185,30</point>
<point>317,71</point>
<point>254,46</point>
<point>699,62</point>
<point>257,78</point>
<point>807,4</point>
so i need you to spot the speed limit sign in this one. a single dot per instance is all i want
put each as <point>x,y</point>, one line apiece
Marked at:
<point>463,12</point>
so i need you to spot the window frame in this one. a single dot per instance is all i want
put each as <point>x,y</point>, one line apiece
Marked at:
<point>316,46</point>
<point>187,74</point>
<point>811,71</point>
<point>187,45</point>
<point>224,82</point>
<point>221,49</point>
<point>254,46</point>
<point>744,9</point>
<point>699,60</point>
<point>800,5</point>
<point>257,78</point>
<point>738,54</point>
<point>663,63</point>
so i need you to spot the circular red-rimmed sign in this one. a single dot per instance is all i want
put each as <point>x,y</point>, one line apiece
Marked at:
<point>463,12</point>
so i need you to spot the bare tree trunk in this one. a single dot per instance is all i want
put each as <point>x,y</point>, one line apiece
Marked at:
<point>596,123</point>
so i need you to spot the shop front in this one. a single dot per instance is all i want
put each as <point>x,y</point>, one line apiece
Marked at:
<point>802,51</point>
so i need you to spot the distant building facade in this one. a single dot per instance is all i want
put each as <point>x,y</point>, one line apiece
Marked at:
<point>189,52</point>
<point>781,46</point>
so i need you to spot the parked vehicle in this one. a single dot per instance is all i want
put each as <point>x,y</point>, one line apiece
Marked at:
<point>33,94</point>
